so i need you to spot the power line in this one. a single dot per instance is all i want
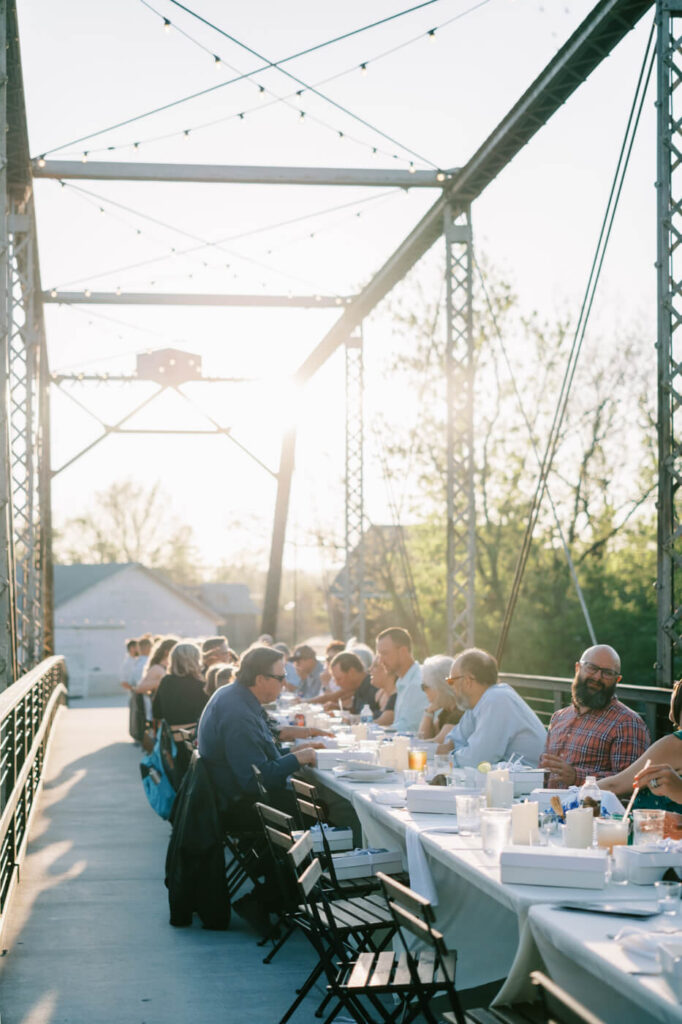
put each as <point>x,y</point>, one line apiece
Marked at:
<point>232,81</point>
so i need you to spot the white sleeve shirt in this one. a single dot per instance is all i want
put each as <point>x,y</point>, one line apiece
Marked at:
<point>500,725</point>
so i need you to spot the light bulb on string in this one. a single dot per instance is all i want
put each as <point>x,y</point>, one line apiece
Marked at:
<point>301,115</point>
<point>216,60</point>
<point>84,158</point>
<point>363,68</point>
<point>440,175</point>
<point>431,34</point>
<point>411,168</point>
<point>166,25</point>
<point>186,133</point>
<point>53,293</point>
<point>41,161</point>
<point>87,293</point>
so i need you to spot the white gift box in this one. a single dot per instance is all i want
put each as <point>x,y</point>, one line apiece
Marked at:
<point>646,865</point>
<point>337,838</point>
<point>361,863</point>
<point>526,780</point>
<point>327,759</point>
<point>427,799</point>
<point>554,865</point>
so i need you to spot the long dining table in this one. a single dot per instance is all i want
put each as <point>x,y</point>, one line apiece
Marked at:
<point>503,931</point>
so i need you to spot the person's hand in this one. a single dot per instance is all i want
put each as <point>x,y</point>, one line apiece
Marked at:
<point>319,732</point>
<point>305,755</point>
<point>562,770</point>
<point>445,748</point>
<point>126,686</point>
<point>661,780</point>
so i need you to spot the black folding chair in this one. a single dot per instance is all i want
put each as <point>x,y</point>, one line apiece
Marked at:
<point>313,811</point>
<point>278,828</point>
<point>339,931</point>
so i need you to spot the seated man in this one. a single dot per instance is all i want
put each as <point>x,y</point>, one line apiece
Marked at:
<point>394,647</point>
<point>496,722</point>
<point>214,650</point>
<point>234,735</point>
<point>354,684</point>
<point>308,671</point>
<point>595,735</point>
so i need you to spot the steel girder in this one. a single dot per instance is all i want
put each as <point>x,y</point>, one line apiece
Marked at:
<point>669,344</point>
<point>354,575</point>
<point>459,363</point>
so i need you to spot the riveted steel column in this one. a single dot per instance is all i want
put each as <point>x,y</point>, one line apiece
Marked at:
<point>669,271</point>
<point>7,633</point>
<point>459,361</point>
<point>354,574</point>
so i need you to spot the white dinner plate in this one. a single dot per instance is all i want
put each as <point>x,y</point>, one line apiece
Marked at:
<point>368,775</point>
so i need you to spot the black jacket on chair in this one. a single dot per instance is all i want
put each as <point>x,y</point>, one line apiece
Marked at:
<point>195,861</point>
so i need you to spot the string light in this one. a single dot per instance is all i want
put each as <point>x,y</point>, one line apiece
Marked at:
<point>84,158</point>
<point>411,168</point>
<point>363,68</point>
<point>440,176</point>
<point>41,161</point>
<point>53,293</point>
<point>431,34</point>
<point>216,59</point>
<point>166,24</point>
<point>301,115</point>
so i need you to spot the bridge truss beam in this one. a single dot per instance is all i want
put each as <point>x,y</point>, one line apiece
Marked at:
<point>354,575</point>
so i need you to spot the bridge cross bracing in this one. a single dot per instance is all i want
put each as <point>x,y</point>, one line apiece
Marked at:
<point>26,582</point>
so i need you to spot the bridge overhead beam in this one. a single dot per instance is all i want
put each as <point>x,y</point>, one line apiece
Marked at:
<point>64,170</point>
<point>90,298</point>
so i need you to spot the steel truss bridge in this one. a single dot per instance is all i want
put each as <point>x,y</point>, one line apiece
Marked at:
<point>26,604</point>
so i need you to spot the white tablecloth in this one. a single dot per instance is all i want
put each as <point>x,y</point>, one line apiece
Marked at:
<point>486,921</point>
<point>580,957</point>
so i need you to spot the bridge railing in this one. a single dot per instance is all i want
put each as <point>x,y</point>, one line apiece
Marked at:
<point>546,694</point>
<point>27,710</point>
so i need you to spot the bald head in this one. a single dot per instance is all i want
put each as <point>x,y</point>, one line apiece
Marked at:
<point>603,656</point>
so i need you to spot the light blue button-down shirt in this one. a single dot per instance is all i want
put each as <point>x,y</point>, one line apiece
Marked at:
<point>500,725</point>
<point>411,701</point>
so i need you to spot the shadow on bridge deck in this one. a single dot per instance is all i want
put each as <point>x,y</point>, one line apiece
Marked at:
<point>87,940</point>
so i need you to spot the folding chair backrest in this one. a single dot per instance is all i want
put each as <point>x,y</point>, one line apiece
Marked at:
<point>406,898</point>
<point>258,776</point>
<point>304,789</point>
<point>560,1007</point>
<point>413,914</point>
<point>277,819</point>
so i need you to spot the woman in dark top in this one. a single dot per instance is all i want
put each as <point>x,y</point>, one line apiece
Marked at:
<point>180,698</point>
<point>441,713</point>
<point>660,786</point>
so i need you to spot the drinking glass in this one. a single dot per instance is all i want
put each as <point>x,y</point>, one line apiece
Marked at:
<point>442,765</point>
<point>612,832</point>
<point>410,778</point>
<point>648,826</point>
<point>495,829</point>
<point>668,897</point>
<point>468,814</point>
<point>416,760</point>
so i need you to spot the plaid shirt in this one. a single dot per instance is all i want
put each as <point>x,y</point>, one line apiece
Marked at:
<point>598,743</point>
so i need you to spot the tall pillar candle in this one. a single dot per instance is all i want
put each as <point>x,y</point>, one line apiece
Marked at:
<point>499,788</point>
<point>578,833</point>
<point>525,829</point>
<point>402,746</point>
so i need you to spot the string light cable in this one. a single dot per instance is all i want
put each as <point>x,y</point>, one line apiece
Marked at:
<point>95,199</point>
<point>579,334</point>
<point>221,85</point>
<point>287,101</point>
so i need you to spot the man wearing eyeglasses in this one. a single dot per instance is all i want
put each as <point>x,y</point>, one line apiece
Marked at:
<point>597,734</point>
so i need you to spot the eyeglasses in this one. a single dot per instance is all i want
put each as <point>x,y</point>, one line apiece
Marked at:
<point>271,675</point>
<point>453,679</point>
<point>607,673</point>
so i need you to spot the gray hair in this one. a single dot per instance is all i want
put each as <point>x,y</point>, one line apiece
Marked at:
<point>364,653</point>
<point>435,671</point>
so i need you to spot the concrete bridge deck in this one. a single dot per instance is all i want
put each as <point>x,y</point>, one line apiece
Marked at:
<point>87,940</point>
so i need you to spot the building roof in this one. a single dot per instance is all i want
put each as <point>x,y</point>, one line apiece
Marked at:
<point>226,598</point>
<point>71,580</point>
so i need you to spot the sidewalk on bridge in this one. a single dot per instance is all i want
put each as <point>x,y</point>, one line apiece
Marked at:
<point>87,940</point>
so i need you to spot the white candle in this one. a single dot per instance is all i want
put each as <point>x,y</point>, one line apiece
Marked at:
<point>525,830</point>
<point>579,828</point>
<point>499,788</point>
<point>402,746</point>
<point>387,754</point>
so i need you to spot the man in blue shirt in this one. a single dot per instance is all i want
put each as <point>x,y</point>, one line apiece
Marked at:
<point>394,647</point>
<point>308,670</point>
<point>233,736</point>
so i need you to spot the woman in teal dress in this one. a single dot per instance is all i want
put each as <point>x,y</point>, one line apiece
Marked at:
<point>660,786</point>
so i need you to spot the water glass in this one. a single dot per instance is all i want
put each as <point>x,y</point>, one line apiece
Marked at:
<point>648,826</point>
<point>410,778</point>
<point>468,814</point>
<point>612,832</point>
<point>442,765</point>
<point>619,866</point>
<point>668,897</point>
<point>495,829</point>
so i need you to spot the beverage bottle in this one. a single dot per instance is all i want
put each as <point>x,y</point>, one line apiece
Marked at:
<point>590,795</point>
<point>366,716</point>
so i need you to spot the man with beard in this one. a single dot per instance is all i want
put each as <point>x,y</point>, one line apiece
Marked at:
<point>596,735</point>
<point>496,723</point>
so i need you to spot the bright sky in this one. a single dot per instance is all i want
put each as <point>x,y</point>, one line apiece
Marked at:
<point>88,66</point>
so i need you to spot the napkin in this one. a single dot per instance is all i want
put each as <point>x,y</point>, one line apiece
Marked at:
<point>391,797</point>
<point>642,946</point>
